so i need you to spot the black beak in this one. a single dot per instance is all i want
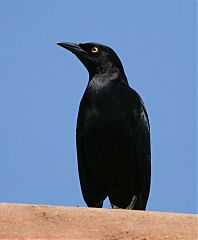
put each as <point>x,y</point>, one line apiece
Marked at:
<point>72,47</point>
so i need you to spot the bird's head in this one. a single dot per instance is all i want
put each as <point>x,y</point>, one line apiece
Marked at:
<point>97,58</point>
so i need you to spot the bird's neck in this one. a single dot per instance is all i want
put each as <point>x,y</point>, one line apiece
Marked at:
<point>102,79</point>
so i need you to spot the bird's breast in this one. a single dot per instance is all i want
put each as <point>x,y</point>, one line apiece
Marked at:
<point>105,113</point>
<point>108,105</point>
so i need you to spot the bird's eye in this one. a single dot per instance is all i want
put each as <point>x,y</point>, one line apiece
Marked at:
<point>95,50</point>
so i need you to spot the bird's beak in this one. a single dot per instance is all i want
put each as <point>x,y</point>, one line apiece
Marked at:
<point>72,47</point>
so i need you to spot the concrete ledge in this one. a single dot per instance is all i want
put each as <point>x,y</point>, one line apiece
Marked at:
<point>20,221</point>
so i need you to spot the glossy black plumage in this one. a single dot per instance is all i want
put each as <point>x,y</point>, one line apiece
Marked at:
<point>113,133</point>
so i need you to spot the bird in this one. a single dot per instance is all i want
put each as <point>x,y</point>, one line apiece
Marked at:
<point>112,133</point>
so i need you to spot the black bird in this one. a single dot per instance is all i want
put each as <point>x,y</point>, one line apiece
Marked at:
<point>113,133</point>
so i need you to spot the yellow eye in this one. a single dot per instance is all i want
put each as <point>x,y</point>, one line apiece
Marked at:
<point>95,50</point>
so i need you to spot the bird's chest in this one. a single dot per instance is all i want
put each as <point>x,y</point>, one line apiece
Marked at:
<point>103,109</point>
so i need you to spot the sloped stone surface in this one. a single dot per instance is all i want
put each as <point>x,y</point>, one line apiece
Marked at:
<point>20,221</point>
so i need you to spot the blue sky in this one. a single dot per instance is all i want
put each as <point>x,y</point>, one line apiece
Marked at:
<point>41,86</point>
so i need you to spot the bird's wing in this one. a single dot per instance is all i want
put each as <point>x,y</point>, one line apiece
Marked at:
<point>141,133</point>
<point>91,190</point>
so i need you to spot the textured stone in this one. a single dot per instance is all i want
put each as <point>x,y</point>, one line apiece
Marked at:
<point>20,221</point>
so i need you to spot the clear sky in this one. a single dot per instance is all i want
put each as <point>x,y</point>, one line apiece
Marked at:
<point>41,86</point>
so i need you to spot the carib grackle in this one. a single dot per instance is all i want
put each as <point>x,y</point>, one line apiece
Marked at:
<point>113,133</point>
